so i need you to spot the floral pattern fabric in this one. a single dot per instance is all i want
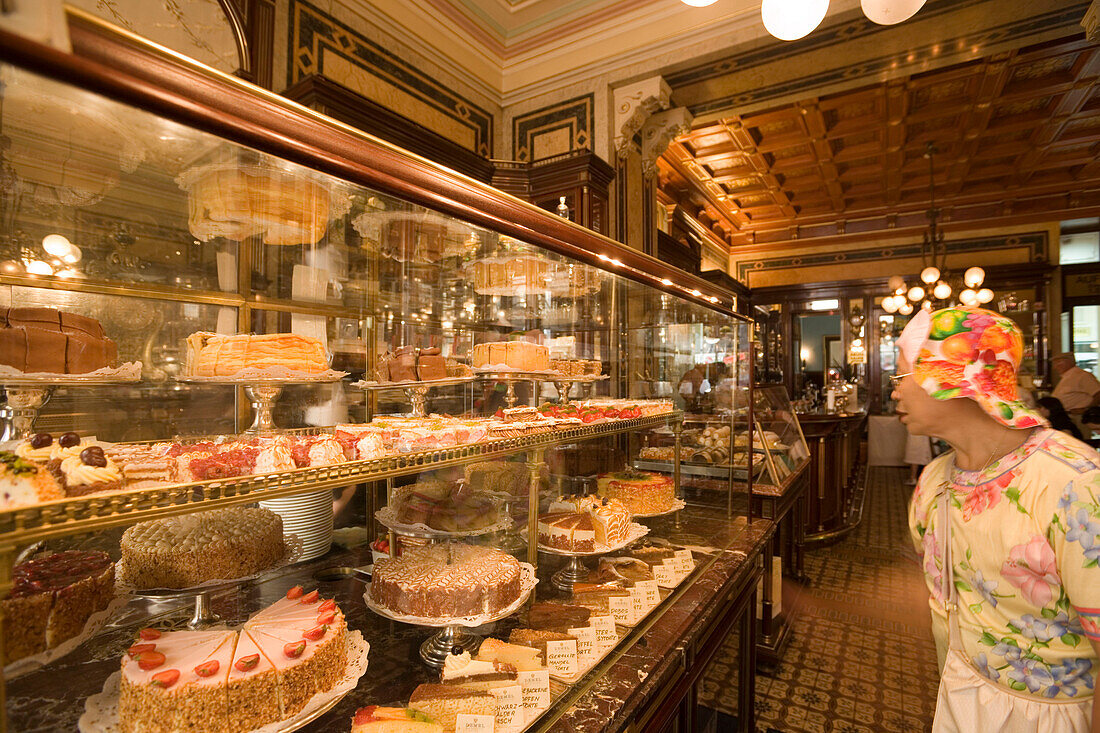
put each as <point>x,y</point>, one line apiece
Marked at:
<point>1025,539</point>
<point>972,352</point>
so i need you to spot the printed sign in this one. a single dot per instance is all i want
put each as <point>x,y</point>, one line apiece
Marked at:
<point>511,717</point>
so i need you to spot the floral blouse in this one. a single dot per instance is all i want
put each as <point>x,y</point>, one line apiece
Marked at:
<point>1025,542</point>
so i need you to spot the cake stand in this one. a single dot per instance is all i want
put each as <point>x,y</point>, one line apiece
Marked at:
<point>415,392</point>
<point>510,377</point>
<point>575,571</point>
<point>263,393</point>
<point>564,384</point>
<point>26,395</point>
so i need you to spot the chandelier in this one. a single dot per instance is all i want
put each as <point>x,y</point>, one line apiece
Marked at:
<point>789,20</point>
<point>935,286</point>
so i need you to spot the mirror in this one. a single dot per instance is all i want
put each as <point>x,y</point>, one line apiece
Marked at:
<point>820,348</point>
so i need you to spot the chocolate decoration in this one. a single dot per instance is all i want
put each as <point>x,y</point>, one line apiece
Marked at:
<point>68,440</point>
<point>41,440</point>
<point>93,456</point>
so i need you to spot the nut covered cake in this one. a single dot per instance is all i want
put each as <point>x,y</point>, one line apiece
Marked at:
<point>447,580</point>
<point>641,491</point>
<point>184,551</point>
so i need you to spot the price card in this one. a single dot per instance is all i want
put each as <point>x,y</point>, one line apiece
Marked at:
<point>652,595</point>
<point>586,645</point>
<point>511,717</point>
<point>535,687</point>
<point>606,636</point>
<point>684,563</point>
<point>467,723</point>
<point>639,603</point>
<point>561,657</point>
<point>667,574</point>
<point>622,609</point>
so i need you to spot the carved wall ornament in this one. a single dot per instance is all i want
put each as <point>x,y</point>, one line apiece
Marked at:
<point>659,130</point>
<point>1091,21</point>
<point>634,104</point>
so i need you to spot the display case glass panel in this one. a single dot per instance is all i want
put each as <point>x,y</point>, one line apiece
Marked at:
<point>778,436</point>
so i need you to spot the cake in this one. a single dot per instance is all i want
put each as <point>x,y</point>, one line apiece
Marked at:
<point>509,276</point>
<point>89,472</point>
<point>310,451</point>
<point>444,703</point>
<point>444,506</point>
<point>143,465</point>
<point>205,461</point>
<point>520,355</point>
<point>375,719</point>
<point>596,597</point>
<point>641,492</point>
<point>51,599</point>
<point>624,571</point>
<point>184,551</point>
<point>610,519</point>
<point>24,482</point>
<point>584,459</point>
<point>411,364</point>
<point>569,531</point>
<point>232,681</point>
<point>503,477</point>
<point>462,669</point>
<point>522,657</point>
<point>446,580</point>
<point>537,638</point>
<point>46,340</point>
<point>215,355</point>
<point>652,555</point>
<point>560,617</point>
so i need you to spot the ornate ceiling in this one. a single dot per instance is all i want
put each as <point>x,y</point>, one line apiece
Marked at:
<point>1017,133</point>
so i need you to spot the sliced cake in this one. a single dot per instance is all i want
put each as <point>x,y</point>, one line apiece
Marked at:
<point>536,638</point>
<point>444,703</point>
<point>375,719</point>
<point>522,657</point>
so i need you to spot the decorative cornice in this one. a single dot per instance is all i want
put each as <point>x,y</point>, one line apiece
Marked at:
<point>659,130</point>
<point>1091,21</point>
<point>634,104</point>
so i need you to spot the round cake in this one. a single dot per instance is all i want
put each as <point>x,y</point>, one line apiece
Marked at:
<point>184,551</point>
<point>447,580</point>
<point>642,492</point>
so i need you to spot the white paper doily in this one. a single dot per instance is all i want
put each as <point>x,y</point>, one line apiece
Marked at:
<point>94,623</point>
<point>634,533</point>
<point>292,543</point>
<point>128,372</point>
<point>677,505</point>
<point>527,582</point>
<point>101,710</point>
<point>273,375</point>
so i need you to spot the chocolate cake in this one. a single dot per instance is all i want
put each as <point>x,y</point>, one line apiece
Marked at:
<point>411,364</point>
<point>48,340</point>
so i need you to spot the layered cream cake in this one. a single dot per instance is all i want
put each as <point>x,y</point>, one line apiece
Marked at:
<point>462,669</point>
<point>641,492</point>
<point>215,355</point>
<point>521,355</point>
<point>522,657</point>
<point>581,523</point>
<point>232,681</point>
<point>184,551</point>
<point>376,719</point>
<point>445,703</point>
<point>447,580</point>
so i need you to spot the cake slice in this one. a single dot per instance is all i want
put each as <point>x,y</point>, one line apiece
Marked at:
<point>558,617</point>
<point>523,658</point>
<point>445,703</point>
<point>462,669</point>
<point>254,695</point>
<point>537,638</point>
<point>23,483</point>
<point>307,661</point>
<point>567,531</point>
<point>375,719</point>
<point>596,597</point>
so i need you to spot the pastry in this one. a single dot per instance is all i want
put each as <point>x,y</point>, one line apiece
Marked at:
<point>596,597</point>
<point>215,355</point>
<point>36,340</point>
<point>503,477</point>
<point>445,506</point>
<point>625,571</point>
<point>375,719</point>
<point>536,639</point>
<point>610,519</point>
<point>444,703</point>
<point>560,617</point>
<point>641,492</point>
<point>569,531</point>
<point>523,658</point>
<point>519,355</point>
<point>462,669</point>
<point>411,364</point>
<point>87,473</point>
<point>23,482</point>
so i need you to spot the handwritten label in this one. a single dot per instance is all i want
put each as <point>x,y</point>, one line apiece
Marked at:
<point>639,602</point>
<point>606,636</point>
<point>561,657</point>
<point>586,645</point>
<point>535,687</point>
<point>622,609</point>
<point>684,563</point>
<point>649,587</point>
<point>467,723</point>
<point>511,717</point>
<point>666,574</point>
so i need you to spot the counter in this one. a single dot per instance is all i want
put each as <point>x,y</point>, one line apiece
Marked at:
<point>836,458</point>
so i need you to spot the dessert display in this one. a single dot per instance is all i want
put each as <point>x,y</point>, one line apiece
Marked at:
<point>410,434</point>
<point>411,364</point>
<point>521,356</point>
<point>498,477</point>
<point>231,680</point>
<point>517,421</point>
<point>444,703</point>
<point>463,670</point>
<point>596,411</point>
<point>446,580</point>
<point>206,460</point>
<point>52,598</point>
<point>554,616</point>
<point>657,453</point>
<point>584,524</point>
<point>523,658</point>
<point>642,492</point>
<point>444,506</point>
<point>375,719</point>
<point>45,340</point>
<point>184,551</point>
<point>215,355</point>
<point>24,482</point>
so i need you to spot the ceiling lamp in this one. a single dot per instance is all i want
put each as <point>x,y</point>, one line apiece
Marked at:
<point>789,20</point>
<point>889,12</point>
<point>929,275</point>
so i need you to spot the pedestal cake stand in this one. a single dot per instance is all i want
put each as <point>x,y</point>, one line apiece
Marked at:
<point>262,393</point>
<point>415,392</point>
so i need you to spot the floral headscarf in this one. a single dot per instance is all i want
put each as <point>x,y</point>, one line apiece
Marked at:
<point>969,352</point>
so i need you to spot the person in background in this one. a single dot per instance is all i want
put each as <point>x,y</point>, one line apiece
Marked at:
<point>1052,410</point>
<point>1007,524</point>
<point>1077,389</point>
<point>1025,388</point>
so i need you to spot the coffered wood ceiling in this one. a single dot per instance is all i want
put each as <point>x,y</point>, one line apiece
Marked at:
<point>1017,133</point>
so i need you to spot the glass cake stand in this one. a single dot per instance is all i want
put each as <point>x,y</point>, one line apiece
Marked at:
<point>263,393</point>
<point>26,395</point>
<point>575,571</point>
<point>415,392</point>
<point>511,377</point>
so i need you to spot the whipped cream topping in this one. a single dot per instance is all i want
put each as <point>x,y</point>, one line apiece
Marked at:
<point>463,665</point>
<point>79,474</point>
<point>57,453</point>
<point>39,455</point>
<point>273,459</point>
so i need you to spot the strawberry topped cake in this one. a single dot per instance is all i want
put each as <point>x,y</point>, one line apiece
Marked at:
<point>230,681</point>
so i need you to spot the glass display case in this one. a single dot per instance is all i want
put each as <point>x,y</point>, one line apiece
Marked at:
<point>330,340</point>
<point>778,438</point>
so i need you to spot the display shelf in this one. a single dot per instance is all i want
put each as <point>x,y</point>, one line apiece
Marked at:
<point>696,469</point>
<point>99,511</point>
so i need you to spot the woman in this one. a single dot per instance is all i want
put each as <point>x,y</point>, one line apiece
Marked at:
<point>1051,408</point>
<point>1008,523</point>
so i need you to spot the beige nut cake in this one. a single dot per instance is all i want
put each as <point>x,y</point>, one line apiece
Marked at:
<point>184,551</point>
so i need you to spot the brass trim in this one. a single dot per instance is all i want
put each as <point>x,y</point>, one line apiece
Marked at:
<point>131,290</point>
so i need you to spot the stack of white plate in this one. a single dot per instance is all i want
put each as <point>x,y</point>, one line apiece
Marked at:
<point>309,516</point>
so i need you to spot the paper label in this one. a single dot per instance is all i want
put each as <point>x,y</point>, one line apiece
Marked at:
<point>652,595</point>
<point>606,636</point>
<point>511,717</point>
<point>639,602</point>
<point>622,609</point>
<point>561,657</point>
<point>467,723</point>
<point>535,687</point>
<point>666,574</point>
<point>586,645</point>
<point>684,563</point>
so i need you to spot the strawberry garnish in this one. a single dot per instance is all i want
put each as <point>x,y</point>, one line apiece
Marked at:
<point>246,663</point>
<point>166,679</point>
<point>294,649</point>
<point>326,618</point>
<point>329,605</point>
<point>364,715</point>
<point>208,669</point>
<point>311,597</point>
<point>149,634</point>
<point>295,592</point>
<point>315,633</point>
<point>136,649</point>
<point>150,660</point>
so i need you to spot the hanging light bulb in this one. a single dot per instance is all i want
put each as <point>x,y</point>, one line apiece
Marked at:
<point>968,297</point>
<point>38,267</point>
<point>698,3</point>
<point>889,12</point>
<point>985,295</point>
<point>906,308</point>
<point>895,282</point>
<point>916,293</point>
<point>789,20</point>
<point>942,290</point>
<point>929,275</point>
<point>974,277</point>
<point>889,304</point>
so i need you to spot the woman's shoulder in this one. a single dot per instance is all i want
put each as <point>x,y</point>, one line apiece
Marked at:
<point>1054,449</point>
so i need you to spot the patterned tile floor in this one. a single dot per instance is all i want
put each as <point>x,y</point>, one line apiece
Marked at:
<point>861,658</point>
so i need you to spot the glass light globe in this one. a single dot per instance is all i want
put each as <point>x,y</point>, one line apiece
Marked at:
<point>974,277</point>
<point>38,267</point>
<point>889,12</point>
<point>698,3</point>
<point>942,291</point>
<point>897,281</point>
<point>968,297</point>
<point>916,293</point>
<point>929,275</point>
<point>906,308</point>
<point>985,295</point>
<point>889,305</point>
<point>56,245</point>
<point>789,20</point>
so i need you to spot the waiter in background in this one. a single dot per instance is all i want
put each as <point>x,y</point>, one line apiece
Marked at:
<point>1077,389</point>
